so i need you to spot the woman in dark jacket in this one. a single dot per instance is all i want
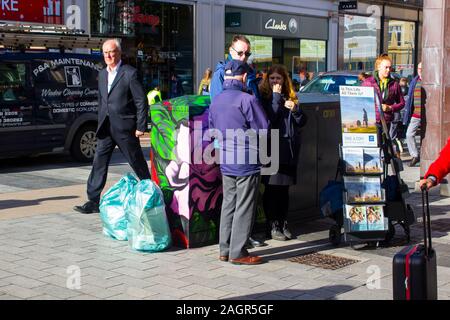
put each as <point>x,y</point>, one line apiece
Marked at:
<point>389,93</point>
<point>281,105</point>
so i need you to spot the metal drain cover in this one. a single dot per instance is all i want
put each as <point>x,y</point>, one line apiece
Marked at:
<point>325,261</point>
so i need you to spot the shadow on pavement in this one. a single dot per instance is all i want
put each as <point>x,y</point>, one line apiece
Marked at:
<point>293,250</point>
<point>56,161</point>
<point>9,204</point>
<point>327,292</point>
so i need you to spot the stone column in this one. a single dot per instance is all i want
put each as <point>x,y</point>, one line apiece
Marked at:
<point>436,80</point>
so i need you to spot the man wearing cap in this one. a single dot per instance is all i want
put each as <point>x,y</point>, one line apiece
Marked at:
<point>232,113</point>
<point>239,49</point>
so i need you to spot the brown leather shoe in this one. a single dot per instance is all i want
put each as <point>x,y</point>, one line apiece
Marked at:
<point>248,260</point>
<point>223,258</point>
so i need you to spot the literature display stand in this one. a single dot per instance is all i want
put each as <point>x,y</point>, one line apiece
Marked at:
<point>373,200</point>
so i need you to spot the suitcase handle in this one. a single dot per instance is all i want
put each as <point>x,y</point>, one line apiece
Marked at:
<point>426,222</point>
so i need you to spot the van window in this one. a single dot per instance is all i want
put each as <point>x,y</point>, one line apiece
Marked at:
<point>12,82</point>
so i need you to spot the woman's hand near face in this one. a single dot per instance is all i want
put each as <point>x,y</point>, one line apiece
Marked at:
<point>276,88</point>
<point>290,105</point>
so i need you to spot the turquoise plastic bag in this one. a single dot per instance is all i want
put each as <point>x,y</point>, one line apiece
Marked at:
<point>112,210</point>
<point>148,228</point>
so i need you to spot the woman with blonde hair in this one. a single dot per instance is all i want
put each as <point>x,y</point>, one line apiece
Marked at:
<point>282,108</point>
<point>203,88</point>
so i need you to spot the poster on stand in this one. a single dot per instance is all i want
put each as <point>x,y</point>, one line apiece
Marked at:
<point>354,160</point>
<point>372,160</point>
<point>354,186</point>
<point>363,189</point>
<point>372,189</point>
<point>358,116</point>
<point>375,218</point>
<point>357,217</point>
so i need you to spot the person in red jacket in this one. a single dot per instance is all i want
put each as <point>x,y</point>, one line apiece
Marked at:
<point>438,169</point>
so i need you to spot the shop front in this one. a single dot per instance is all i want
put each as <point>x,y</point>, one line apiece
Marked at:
<point>296,41</point>
<point>375,28</point>
<point>157,38</point>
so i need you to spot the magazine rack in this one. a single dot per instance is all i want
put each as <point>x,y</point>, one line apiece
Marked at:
<point>374,200</point>
<point>364,198</point>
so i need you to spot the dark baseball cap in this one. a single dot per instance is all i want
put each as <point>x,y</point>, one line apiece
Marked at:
<point>236,68</point>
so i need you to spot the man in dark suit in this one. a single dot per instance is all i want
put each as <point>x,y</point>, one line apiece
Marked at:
<point>122,119</point>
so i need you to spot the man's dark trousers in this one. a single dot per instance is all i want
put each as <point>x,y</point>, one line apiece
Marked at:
<point>238,212</point>
<point>107,140</point>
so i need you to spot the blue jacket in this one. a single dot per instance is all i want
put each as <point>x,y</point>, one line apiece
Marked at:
<point>235,109</point>
<point>409,102</point>
<point>217,80</point>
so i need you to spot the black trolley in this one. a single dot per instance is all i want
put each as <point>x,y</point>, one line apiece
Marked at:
<point>393,199</point>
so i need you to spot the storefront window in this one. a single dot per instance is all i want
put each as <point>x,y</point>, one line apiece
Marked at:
<point>360,42</point>
<point>295,54</point>
<point>157,38</point>
<point>401,40</point>
<point>312,55</point>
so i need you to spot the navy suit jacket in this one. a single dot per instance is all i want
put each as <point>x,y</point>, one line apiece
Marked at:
<point>126,103</point>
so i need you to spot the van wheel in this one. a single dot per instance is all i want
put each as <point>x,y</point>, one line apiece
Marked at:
<point>84,143</point>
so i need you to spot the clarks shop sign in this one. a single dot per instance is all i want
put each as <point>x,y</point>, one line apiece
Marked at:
<point>280,25</point>
<point>273,24</point>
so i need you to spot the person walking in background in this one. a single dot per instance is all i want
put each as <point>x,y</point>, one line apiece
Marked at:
<point>304,78</point>
<point>438,169</point>
<point>203,88</point>
<point>414,113</point>
<point>154,95</point>
<point>281,105</point>
<point>239,49</point>
<point>403,82</point>
<point>389,95</point>
<point>176,87</point>
<point>122,119</point>
<point>363,76</point>
<point>234,109</point>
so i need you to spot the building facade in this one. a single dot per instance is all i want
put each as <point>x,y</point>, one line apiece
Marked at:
<point>374,27</point>
<point>300,34</point>
<point>184,37</point>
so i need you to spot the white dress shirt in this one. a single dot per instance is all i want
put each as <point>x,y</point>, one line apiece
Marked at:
<point>112,72</point>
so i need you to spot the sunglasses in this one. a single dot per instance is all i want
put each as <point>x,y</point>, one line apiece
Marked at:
<point>240,53</point>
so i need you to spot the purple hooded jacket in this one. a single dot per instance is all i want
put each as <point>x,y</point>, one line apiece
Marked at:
<point>392,96</point>
<point>233,109</point>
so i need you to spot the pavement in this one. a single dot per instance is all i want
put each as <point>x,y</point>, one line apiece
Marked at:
<point>48,251</point>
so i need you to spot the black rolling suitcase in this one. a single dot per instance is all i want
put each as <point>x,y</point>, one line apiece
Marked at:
<point>414,270</point>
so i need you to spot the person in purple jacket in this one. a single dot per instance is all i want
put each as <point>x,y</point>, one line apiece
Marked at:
<point>388,92</point>
<point>235,114</point>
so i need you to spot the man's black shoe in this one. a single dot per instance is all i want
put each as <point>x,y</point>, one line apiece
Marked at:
<point>252,242</point>
<point>88,207</point>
